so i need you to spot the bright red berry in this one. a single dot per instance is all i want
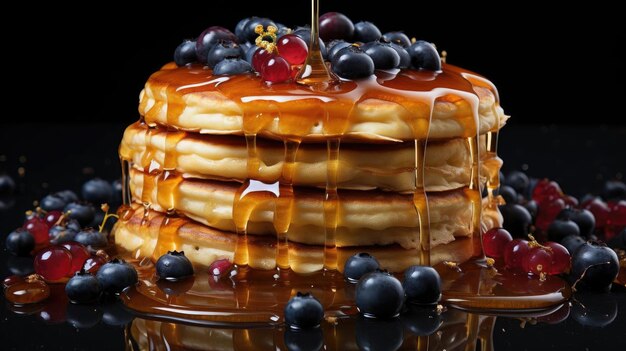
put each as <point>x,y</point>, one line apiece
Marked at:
<point>293,49</point>
<point>600,211</point>
<point>515,253</point>
<point>52,218</point>
<point>546,190</point>
<point>537,261</point>
<point>561,259</point>
<point>220,267</point>
<point>616,220</point>
<point>39,229</point>
<point>53,263</point>
<point>79,255</point>
<point>494,242</point>
<point>276,70</point>
<point>260,57</point>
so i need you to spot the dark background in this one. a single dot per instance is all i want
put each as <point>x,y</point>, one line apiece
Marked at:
<point>87,63</point>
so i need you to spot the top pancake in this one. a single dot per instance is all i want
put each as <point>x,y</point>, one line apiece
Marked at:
<point>391,106</point>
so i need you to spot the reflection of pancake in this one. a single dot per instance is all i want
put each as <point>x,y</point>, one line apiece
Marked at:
<point>362,166</point>
<point>203,245</point>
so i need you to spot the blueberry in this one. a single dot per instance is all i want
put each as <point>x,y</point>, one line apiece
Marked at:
<point>619,241</point>
<point>334,47</point>
<point>518,181</point>
<point>250,53</point>
<point>222,50</point>
<point>97,191</point>
<point>282,30</point>
<point>92,237</point>
<point>7,185</point>
<point>305,34</point>
<point>532,208</point>
<point>572,243</point>
<point>517,220</point>
<point>20,242</point>
<point>248,34</point>
<point>173,266</point>
<point>379,334</point>
<point>83,316</point>
<point>366,32</point>
<point>421,320</point>
<point>560,228</point>
<point>52,202</point>
<point>583,218</point>
<point>398,38</point>
<point>594,310</point>
<point>595,265</point>
<point>83,212</point>
<point>614,190</point>
<point>422,285</point>
<point>379,295</point>
<point>209,38</point>
<point>508,194</point>
<point>240,28</point>
<point>83,288</point>
<point>232,66</point>
<point>335,25</point>
<point>352,63</point>
<point>304,339</point>
<point>303,311</point>
<point>68,196</point>
<point>185,53</point>
<point>383,55</point>
<point>60,234</point>
<point>358,265</point>
<point>117,192</point>
<point>405,58</point>
<point>424,56</point>
<point>116,275</point>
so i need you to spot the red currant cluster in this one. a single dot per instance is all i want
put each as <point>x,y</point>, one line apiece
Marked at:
<point>280,62</point>
<point>531,257</point>
<point>610,216</point>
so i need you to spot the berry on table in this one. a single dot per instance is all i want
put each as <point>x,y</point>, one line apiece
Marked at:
<point>560,228</point>
<point>65,232</point>
<point>614,190</point>
<point>548,210</point>
<point>599,209</point>
<point>335,25</point>
<point>537,261</point>
<point>334,47</point>
<point>79,255</point>
<point>67,195</point>
<point>20,242</point>
<point>546,190</point>
<point>53,263</point>
<point>366,32</point>
<point>594,266</point>
<point>561,259</point>
<point>383,55</point>
<point>515,253</point>
<point>209,38</point>
<point>358,265</point>
<point>494,242</point>
<point>352,63</point>
<point>83,288</point>
<point>116,275</point>
<point>94,262</point>
<point>292,48</point>
<point>379,295</point>
<point>173,266</point>
<point>303,311</point>
<point>424,56</point>
<point>185,53</point>
<point>422,285</point>
<point>517,220</point>
<point>220,267</point>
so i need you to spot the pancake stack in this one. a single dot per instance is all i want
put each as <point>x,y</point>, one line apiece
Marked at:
<point>288,176</point>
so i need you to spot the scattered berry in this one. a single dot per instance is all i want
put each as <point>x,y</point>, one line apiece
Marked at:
<point>422,285</point>
<point>616,220</point>
<point>97,191</point>
<point>293,49</point>
<point>515,253</point>
<point>39,229</point>
<point>116,275</point>
<point>173,266</point>
<point>398,38</point>
<point>572,243</point>
<point>424,56</point>
<point>53,263</point>
<point>209,38</point>
<point>83,288</point>
<point>352,63</point>
<point>221,51</point>
<point>52,202</point>
<point>83,212</point>
<point>335,25</point>
<point>383,55</point>
<point>560,228</point>
<point>20,242</point>
<point>276,70</point>
<point>232,66</point>
<point>517,220</point>
<point>220,267</point>
<point>366,32</point>
<point>185,53</point>
<point>28,291</point>
<point>303,311</point>
<point>594,266</point>
<point>379,295</point>
<point>494,242</point>
<point>358,265</point>
<point>92,237</point>
<point>79,255</point>
<point>561,259</point>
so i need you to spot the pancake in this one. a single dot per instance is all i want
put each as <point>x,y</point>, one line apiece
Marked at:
<point>152,236</point>
<point>388,107</point>
<point>365,217</point>
<point>362,166</point>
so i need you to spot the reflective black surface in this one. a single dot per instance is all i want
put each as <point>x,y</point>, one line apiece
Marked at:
<point>58,157</point>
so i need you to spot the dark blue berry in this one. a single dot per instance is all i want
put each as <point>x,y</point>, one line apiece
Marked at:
<point>282,30</point>
<point>561,228</point>
<point>173,266</point>
<point>335,25</point>
<point>83,288</point>
<point>593,309</point>
<point>7,185</point>
<point>240,28</point>
<point>20,265</point>
<point>232,66</point>
<point>508,194</point>
<point>83,212</point>
<point>20,242</point>
<point>52,202</point>
<point>97,191</point>
<point>116,275</point>
<point>366,32</point>
<point>422,285</point>
<point>209,38</point>
<point>223,50</point>
<point>383,55</point>
<point>379,295</point>
<point>379,334</point>
<point>398,38</point>
<point>421,320</point>
<point>619,241</point>
<point>583,218</point>
<point>68,196</point>
<point>518,181</point>
<point>248,33</point>
<point>117,192</point>
<point>614,190</point>
<point>532,208</point>
<point>185,53</point>
<point>517,220</point>
<point>250,53</point>
<point>405,58</point>
<point>594,266</point>
<point>572,243</point>
<point>60,234</point>
<point>352,63</point>
<point>83,316</point>
<point>424,56</point>
<point>305,34</point>
<point>303,311</point>
<point>92,237</point>
<point>334,47</point>
<point>304,339</point>
<point>358,265</point>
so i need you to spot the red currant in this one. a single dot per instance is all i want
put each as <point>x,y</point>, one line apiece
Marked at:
<point>259,58</point>
<point>93,263</point>
<point>561,259</point>
<point>537,261</point>
<point>570,201</point>
<point>220,267</point>
<point>600,211</point>
<point>79,256</point>
<point>52,218</point>
<point>275,70</point>
<point>548,210</point>
<point>546,190</point>
<point>39,229</point>
<point>27,292</point>
<point>515,253</point>
<point>293,49</point>
<point>53,263</point>
<point>494,241</point>
<point>616,220</point>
